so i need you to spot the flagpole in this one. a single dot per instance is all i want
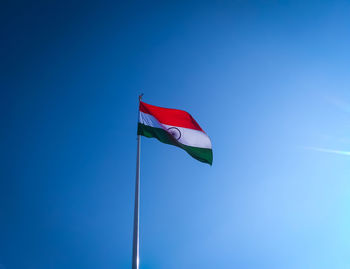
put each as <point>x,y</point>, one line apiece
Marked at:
<point>135,243</point>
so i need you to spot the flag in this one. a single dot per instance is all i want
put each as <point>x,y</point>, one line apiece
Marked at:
<point>175,127</point>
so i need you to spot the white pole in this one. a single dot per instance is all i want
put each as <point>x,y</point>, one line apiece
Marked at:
<point>135,243</point>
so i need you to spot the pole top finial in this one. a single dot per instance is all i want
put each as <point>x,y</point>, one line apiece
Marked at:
<point>140,97</point>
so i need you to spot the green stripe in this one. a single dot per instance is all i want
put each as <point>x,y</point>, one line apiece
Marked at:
<point>201,154</point>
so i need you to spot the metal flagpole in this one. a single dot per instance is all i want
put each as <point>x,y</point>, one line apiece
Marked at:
<point>135,243</point>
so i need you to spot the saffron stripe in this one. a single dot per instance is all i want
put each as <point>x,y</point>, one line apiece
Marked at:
<point>174,117</point>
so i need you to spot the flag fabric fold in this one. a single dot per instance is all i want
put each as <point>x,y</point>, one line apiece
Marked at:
<point>175,127</point>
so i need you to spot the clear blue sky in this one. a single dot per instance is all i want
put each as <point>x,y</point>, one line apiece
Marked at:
<point>267,80</point>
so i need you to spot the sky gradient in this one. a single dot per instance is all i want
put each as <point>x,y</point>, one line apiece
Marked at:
<point>267,80</point>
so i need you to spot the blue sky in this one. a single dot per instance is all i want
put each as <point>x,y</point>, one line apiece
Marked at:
<point>267,80</point>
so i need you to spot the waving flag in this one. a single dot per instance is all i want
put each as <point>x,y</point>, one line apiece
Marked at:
<point>175,127</point>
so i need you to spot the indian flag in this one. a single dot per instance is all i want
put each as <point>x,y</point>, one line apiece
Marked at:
<point>175,127</point>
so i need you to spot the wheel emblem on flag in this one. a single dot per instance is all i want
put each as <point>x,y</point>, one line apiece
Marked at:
<point>175,132</point>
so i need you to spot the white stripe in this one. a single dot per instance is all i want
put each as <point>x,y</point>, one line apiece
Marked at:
<point>186,136</point>
<point>149,120</point>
